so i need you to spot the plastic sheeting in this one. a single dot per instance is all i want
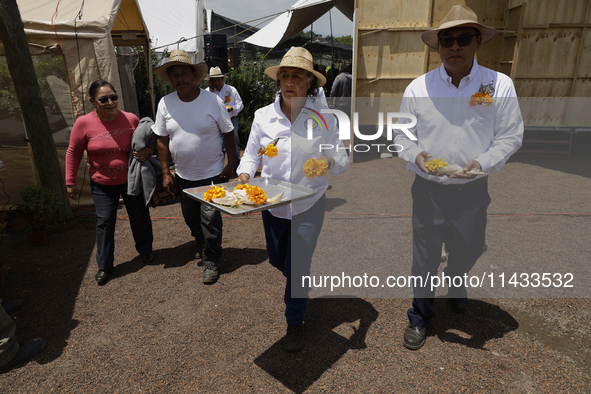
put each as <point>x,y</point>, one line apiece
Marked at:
<point>300,15</point>
<point>87,32</point>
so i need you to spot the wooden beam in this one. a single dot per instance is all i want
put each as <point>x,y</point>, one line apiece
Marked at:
<point>20,66</point>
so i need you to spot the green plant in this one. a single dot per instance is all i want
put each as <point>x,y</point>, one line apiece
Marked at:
<point>140,74</point>
<point>3,237</point>
<point>255,88</point>
<point>40,206</point>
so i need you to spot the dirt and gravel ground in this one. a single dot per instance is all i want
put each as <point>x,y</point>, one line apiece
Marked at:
<point>157,329</point>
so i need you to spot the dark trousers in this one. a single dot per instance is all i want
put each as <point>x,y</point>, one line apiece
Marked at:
<point>205,222</point>
<point>106,201</point>
<point>454,216</point>
<point>295,240</point>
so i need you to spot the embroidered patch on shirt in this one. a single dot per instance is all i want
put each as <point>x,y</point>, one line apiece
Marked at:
<point>484,95</point>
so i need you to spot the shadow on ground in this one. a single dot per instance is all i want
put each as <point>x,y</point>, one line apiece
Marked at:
<point>49,285</point>
<point>333,327</point>
<point>480,323</point>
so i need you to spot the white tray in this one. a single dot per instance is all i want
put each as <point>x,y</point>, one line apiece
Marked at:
<point>271,187</point>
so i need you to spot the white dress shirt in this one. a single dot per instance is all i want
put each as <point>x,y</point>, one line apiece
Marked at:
<point>450,128</point>
<point>230,96</point>
<point>293,150</point>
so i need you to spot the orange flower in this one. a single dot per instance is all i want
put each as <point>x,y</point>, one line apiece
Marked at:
<point>214,192</point>
<point>315,167</point>
<point>244,186</point>
<point>256,194</point>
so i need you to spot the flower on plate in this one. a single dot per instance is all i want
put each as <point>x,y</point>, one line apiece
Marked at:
<point>434,164</point>
<point>214,192</point>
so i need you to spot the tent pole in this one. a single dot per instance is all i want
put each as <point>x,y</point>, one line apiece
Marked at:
<point>331,38</point>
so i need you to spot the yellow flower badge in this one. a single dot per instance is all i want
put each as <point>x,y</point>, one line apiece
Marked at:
<point>269,150</point>
<point>228,99</point>
<point>315,167</point>
<point>483,96</point>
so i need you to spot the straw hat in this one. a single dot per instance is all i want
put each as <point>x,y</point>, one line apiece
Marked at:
<point>179,57</point>
<point>300,58</point>
<point>216,72</point>
<point>459,15</point>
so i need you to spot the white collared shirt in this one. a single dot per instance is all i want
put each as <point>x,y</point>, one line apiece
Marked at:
<point>450,128</point>
<point>293,149</point>
<point>230,96</point>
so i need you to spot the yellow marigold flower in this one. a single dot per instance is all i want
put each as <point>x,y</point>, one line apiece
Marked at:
<point>435,164</point>
<point>242,186</point>
<point>270,150</point>
<point>315,167</point>
<point>256,194</point>
<point>214,192</point>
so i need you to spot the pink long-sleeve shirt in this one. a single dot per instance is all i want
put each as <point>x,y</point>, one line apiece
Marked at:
<point>107,144</point>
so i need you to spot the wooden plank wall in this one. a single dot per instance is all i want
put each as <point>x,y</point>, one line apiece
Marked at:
<point>553,58</point>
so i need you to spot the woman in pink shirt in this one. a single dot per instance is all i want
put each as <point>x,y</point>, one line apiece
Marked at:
<point>105,134</point>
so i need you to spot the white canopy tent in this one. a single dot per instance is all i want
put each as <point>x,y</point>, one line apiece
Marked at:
<point>295,19</point>
<point>184,21</point>
<point>86,32</point>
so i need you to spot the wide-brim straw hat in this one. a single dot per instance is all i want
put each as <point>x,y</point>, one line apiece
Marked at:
<point>300,58</point>
<point>458,16</point>
<point>216,72</point>
<point>179,57</point>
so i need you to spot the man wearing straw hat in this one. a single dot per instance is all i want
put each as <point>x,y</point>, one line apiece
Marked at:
<point>189,123</point>
<point>467,115</point>
<point>231,99</point>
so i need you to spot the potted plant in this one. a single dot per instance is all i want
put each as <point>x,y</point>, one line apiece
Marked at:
<point>41,207</point>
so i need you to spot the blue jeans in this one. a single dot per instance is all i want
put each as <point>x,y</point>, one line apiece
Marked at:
<point>205,222</point>
<point>106,201</point>
<point>302,233</point>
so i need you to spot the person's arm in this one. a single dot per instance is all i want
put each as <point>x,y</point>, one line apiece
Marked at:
<point>410,149</point>
<point>226,127</point>
<point>238,104</point>
<point>74,155</point>
<point>250,160</point>
<point>230,142</point>
<point>335,90</point>
<point>164,156</point>
<point>508,128</point>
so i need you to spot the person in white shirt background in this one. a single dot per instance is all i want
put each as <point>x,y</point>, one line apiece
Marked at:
<point>292,230</point>
<point>231,99</point>
<point>466,115</point>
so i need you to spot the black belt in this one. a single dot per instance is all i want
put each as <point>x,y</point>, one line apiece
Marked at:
<point>458,186</point>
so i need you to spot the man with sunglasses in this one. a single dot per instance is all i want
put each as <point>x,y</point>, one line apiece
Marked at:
<point>466,115</point>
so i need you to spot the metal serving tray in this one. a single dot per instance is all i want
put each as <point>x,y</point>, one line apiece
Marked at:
<point>271,187</point>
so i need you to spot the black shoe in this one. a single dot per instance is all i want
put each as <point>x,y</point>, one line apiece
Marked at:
<point>294,339</point>
<point>210,273</point>
<point>458,305</point>
<point>414,337</point>
<point>12,305</point>
<point>148,258</point>
<point>102,277</point>
<point>26,352</point>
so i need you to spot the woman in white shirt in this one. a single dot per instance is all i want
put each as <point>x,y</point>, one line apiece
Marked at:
<point>294,124</point>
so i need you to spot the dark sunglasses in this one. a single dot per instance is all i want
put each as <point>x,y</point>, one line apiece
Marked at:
<point>463,40</point>
<point>105,100</point>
